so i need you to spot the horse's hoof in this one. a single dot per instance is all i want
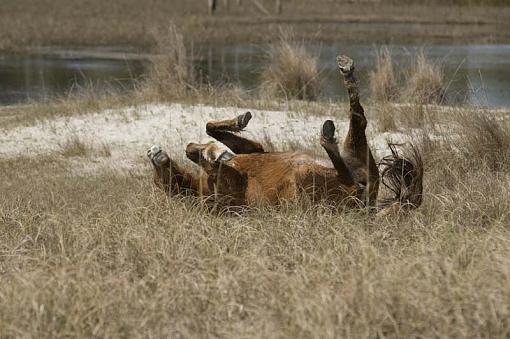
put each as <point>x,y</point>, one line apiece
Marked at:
<point>345,64</point>
<point>157,156</point>
<point>243,120</point>
<point>328,131</point>
<point>153,151</point>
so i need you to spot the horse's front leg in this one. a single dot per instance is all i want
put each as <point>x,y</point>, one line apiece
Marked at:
<point>172,178</point>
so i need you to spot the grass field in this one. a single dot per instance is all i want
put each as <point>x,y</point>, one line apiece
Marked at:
<point>89,248</point>
<point>104,254</point>
<point>25,24</point>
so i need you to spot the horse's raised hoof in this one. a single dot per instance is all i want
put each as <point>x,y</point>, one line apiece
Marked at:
<point>153,151</point>
<point>157,156</point>
<point>328,132</point>
<point>243,120</point>
<point>345,64</point>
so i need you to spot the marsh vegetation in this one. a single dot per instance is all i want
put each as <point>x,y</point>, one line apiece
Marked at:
<point>107,254</point>
<point>90,248</point>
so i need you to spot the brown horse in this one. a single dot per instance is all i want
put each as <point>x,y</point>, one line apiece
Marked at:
<point>243,174</point>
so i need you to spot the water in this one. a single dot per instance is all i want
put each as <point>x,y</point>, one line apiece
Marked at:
<point>476,74</point>
<point>47,75</point>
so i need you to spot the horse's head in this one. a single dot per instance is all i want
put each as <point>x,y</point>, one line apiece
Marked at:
<point>207,155</point>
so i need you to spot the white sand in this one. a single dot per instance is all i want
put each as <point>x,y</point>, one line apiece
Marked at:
<point>129,132</point>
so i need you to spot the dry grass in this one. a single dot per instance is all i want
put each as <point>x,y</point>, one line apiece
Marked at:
<point>171,74</point>
<point>108,256</point>
<point>220,96</point>
<point>485,139</point>
<point>406,116</point>
<point>425,82</point>
<point>291,72</point>
<point>385,117</point>
<point>383,80</point>
<point>76,147</point>
<point>415,116</point>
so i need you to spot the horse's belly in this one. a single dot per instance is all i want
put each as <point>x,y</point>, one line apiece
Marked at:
<point>276,177</point>
<point>270,189</point>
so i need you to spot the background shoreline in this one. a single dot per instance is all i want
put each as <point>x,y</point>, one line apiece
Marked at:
<point>26,24</point>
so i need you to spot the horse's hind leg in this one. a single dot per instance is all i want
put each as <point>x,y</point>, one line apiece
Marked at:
<point>355,144</point>
<point>172,178</point>
<point>224,131</point>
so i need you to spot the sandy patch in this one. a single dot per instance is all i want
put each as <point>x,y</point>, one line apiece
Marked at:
<point>129,132</point>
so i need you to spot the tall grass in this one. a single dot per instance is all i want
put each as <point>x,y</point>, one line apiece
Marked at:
<point>484,139</point>
<point>172,71</point>
<point>291,72</point>
<point>109,256</point>
<point>425,82</point>
<point>383,80</point>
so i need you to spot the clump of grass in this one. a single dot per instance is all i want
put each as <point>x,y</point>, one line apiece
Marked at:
<point>172,71</point>
<point>383,81</point>
<point>425,84</point>
<point>484,139</point>
<point>291,72</point>
<point>74,146</point>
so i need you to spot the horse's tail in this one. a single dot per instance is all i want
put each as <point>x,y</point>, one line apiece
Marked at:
<point>402,174</point>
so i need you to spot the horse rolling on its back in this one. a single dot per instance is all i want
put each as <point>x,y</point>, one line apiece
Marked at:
<point>243,174</point>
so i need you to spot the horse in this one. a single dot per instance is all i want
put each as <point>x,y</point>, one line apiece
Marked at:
<point>240,173</point>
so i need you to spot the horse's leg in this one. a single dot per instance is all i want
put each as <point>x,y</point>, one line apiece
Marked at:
<point>355,144</point>
<point>172,178</point>
<point>328,141</point>
<point>224,131</point>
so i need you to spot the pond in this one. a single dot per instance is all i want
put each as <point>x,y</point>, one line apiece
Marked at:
<point>43,75</point>
<point>475,74</point>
